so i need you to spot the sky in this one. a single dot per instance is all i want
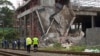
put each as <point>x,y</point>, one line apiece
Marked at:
<point>16,2</point>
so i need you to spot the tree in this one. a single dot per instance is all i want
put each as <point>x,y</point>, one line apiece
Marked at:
<point>7,18</point>
<point>11,34</point>
<point>7,12</point>
<point>6,3</point>
<point>6,15</point>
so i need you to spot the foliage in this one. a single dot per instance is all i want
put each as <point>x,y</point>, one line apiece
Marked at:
<point>1,35</point>
<point>6,3</point>
<point>6,14</point>
<point>53,49</point>
<point>72,48</point>
<point>7,18</point>
<point>57,45</point>
<point>77,48</point>
<point>11,34</point>
<point>8,34</point>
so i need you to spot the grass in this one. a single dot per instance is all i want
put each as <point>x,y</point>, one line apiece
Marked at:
<point>77,48</point>
<point>53,49</point>
<point>73,48</point>
<point>94,47</point>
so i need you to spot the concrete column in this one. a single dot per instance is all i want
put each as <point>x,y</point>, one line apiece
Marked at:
<point>80,26</point>
<point>32,24</point>
<point>92,21</point>
<point>76,25</point>
<point>25,27</point>
<point>30,18</point>
<point>20,27</point>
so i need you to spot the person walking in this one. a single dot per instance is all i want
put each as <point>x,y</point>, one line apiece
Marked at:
<point>2,43</point>
<point>18,43</point>
<point>24,44</point>
<point>5,44</point>
<point>14,44</point>
<point>35,43</point>
<point>28,44</point>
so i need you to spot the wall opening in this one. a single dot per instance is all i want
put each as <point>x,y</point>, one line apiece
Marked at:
<point>97,21</point>
<point>85,21</point>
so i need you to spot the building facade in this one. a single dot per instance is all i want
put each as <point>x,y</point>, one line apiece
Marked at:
<point>28,22</point>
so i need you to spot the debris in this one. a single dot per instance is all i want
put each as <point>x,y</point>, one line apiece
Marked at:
<point>92,50</point>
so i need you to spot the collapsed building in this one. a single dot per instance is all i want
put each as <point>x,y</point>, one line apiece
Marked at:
<point>55,21</point>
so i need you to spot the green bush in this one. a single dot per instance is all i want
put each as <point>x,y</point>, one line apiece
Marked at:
<point>11,35</point>
<point>1,34</point>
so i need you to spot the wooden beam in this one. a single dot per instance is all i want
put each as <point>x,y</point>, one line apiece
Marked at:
<point>40,21</point>
<point>49,27</point>
<point>37,7</point>
<point>28,11</point>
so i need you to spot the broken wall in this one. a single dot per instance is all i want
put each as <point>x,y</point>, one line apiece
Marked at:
<point>55,23</point>
<point>93,36</point>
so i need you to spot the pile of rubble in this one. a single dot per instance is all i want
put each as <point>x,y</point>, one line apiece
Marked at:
<point>56,24</point>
